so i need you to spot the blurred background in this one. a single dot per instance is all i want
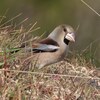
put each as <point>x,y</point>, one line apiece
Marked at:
<point>50,13</point>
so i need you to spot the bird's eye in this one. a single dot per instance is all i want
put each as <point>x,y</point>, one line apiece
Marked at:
<point>65,30</point>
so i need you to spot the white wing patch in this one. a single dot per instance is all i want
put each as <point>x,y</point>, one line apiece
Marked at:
<point>45,47</point>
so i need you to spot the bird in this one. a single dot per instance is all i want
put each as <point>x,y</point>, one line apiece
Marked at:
<point>54,47</point>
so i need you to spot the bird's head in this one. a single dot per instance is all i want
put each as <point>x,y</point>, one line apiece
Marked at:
<point>63,33</point>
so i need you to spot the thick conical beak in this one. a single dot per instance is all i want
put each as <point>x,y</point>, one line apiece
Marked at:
<point>70,37</point>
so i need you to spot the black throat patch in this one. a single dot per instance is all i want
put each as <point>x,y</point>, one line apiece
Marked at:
<point>66,41</point>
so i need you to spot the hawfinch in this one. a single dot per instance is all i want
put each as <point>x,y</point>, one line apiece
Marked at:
<point>53,48</point>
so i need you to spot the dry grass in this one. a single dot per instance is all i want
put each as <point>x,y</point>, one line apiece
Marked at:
<point>71,79</point>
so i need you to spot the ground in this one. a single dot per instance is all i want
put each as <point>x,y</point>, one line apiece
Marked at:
<point>74,78</point>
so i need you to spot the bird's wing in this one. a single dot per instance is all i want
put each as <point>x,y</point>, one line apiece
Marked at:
<point>49,41</point>
<point>45,48</point>
<point>46,45</point>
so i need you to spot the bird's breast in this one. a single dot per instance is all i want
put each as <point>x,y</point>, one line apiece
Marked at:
<point>47,58</point>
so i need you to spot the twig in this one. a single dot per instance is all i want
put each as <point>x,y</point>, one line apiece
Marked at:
<point>90,8</point>
<point>49,74</point>
<point>11,19</point>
